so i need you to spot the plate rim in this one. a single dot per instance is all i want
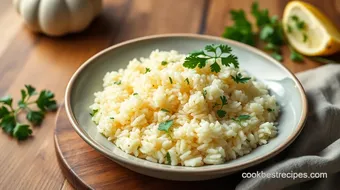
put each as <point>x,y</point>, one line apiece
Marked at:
<point>226,168</point>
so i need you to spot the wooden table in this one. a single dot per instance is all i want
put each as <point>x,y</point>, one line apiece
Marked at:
<point>44,62</point>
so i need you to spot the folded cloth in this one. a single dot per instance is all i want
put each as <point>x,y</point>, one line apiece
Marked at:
<point>317,148</point>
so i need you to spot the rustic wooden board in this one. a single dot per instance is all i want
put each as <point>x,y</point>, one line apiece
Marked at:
<point>85,168</point>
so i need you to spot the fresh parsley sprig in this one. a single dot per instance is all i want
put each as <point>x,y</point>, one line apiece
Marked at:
<point>269,27</point>
<point>212,53</point>
<point>9,121</point>
<point>241,30</point>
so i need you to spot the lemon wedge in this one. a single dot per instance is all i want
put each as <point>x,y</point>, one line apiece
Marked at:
<point>309,31</point>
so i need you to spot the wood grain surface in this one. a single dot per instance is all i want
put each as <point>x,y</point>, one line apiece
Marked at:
<point>44,62</point>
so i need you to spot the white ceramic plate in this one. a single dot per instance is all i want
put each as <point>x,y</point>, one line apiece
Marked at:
<point>282,83</point>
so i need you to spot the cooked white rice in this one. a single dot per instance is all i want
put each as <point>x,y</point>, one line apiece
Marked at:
<point>129,111</point>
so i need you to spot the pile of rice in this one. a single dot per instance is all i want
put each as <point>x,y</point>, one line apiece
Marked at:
<point>133,103</point>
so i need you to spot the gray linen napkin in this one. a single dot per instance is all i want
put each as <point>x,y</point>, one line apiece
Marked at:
<point>317,149</point>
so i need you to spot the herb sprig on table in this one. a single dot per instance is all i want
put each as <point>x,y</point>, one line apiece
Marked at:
<point>269,27</point>
<point>9,120</point>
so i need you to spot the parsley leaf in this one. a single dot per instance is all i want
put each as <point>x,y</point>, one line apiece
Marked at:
<point>242,118</point>
<point>277,56</point>
<point>135,94</point>
<point>22,132</point>
<point>270,28</point>
<point>30,90</point>
<point>231,59</point>
<point>3,112</point>
<point>221,113</point>
<point>270,110</point>
<point>187,80</point>
<point>289,28</point>
<point>165,126</point>
<point>192,61</point>
<point>204,93</point>
<point>164,62</point>
<point>170,80</point>
<point>241,30</point>
<point>223,100</point>
<point>118,82</point>
<point>93,112</point>
<point>8,123</point>
<point>238,78</point>
<point>295,56</point>
<point>215,67</point>
<point>6,100</point>
<point>147,70</point>
<point>200,58</point>
<point>165,110</point>
<point>46,101</point>
<point>35,117</point>
<point>305,37</point>
<point>168,158</point>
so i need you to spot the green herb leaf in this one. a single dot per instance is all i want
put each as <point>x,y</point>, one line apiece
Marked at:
<point>272,47</point>
<point>261,16</point>
<point>231,59</point>
<point>22,132</point>
<point>6,100</point>
<point>216,104</point>
<point>242,118</point>
<point>93,112</point>
<point>223,100</point>
<point>23,95</point>
<point>30,90</point>
<point>165,110</point>
<point>266,32</point>
<point>46,101</point>
<point>221,113</point>
<point>204,93</point>
<point>112,118</point>
<point>238,78</point>
<point>277,56</point>
<point>8,123</point>
<point>35,117</point>
<point>170,80</point>
<point>241,30</point>
<point>168,158</point>
<point>305,37</point>
<point>164,63</point>
<point>215,67</point>
<point>165,126</point>
<point>3,112</point>
<point>200,58</point>
<point>295,56</point>
<point>270,110</point>
<point>135,94</point>
<point>147,70</point>
<point>289,28</point>
<point>187,80</point>
<point>118,82</point>
<point>192,61</point>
